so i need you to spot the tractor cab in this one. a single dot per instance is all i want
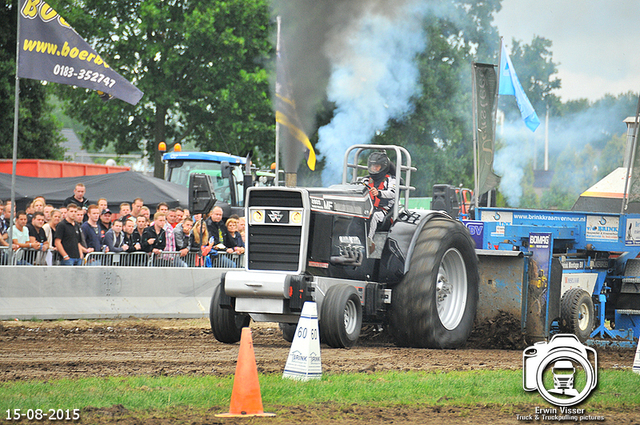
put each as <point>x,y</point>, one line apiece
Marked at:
<point>356,172</point>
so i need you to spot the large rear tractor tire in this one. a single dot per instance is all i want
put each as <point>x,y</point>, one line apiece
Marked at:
<point>435,304</point>
<point>340,317</point>
<point>226,324</point>
<point>577,314</point>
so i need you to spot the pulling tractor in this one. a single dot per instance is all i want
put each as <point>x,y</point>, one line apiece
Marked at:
<point>430,275</point>
<point>419,278</point>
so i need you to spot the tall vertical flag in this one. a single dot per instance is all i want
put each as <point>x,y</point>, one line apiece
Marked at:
<point>286,113</point>
<point>632,176</point>
<point>510,85</point>
<point>484,110</point>
<point>50,49</point>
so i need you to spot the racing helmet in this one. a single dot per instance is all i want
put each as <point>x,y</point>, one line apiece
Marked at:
<point>378,158</point>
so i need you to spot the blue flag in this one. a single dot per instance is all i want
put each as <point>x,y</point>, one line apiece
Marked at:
<point>510,85</point>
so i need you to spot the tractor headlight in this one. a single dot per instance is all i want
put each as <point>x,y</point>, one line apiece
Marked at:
<point>257,217</point>
<point>296,217</point>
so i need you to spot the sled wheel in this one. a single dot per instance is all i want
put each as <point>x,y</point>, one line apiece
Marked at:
<point>340,316</point>
<point>226,324</point>
<point>288,331</point>
<point>435,304</point>
<point>577,313</point>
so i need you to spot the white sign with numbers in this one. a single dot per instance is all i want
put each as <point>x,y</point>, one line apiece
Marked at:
<point>304,361</point>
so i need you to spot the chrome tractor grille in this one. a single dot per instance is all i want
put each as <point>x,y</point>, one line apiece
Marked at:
<point>275,229</point>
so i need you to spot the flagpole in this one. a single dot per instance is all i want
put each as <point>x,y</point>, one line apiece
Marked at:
<point>627,177</point>
<point>476,187</point>
<point>16,114</point>
<point>495,105</point>
<point>278,21</point>
<point>546,141</point>
<point>499,63</point>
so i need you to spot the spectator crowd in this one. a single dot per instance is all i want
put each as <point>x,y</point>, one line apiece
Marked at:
<point>44,235</point>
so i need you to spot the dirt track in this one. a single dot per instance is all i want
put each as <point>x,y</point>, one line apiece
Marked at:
<point>73,349</point>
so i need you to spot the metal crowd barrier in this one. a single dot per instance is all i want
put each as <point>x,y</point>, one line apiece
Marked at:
<point>4,257</point>
<point>217,260</point>
<point>163,259</point>
<point>32,257</point>
<point>115,259</point>
<point>29,257</point>
<point>194,259</point>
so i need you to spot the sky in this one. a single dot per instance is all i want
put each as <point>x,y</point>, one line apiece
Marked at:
<point>595,42</point>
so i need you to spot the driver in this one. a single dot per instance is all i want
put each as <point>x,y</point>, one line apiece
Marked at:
<point>382,189</point>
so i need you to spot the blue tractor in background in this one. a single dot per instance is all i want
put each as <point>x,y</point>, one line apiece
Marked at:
<point>230,175</point>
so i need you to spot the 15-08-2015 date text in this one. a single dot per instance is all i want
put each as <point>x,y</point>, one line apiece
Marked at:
<point>43,415</point>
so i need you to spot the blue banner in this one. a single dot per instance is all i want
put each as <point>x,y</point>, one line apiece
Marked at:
<point>510,85</point>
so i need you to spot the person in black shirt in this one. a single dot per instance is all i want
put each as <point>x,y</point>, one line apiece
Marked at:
<point>218,233</point>
<point>7,215</point>
<point>136,237</point>
<point>38,237</point>
<point>153,238</point>
<point>78,197</point>
<point>128,227</point>
<point>68,237</point>
<point>105,223</point>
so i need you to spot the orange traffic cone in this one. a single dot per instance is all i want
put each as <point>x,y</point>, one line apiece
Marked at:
<point>245,397</point>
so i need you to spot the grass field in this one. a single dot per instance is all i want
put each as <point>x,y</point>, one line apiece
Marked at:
<point>494,388</point>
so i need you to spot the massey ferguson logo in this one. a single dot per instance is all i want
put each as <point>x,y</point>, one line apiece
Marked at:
<point>275,216</point>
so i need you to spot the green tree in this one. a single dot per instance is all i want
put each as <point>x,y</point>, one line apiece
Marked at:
<point>438,132</point>
<point>529,197</point>
<point>612,156</point>
<point>200,64</point>
<point>568,182</point>
<point>38,131</point>
<point>475,30</point>
<point>602,119</point>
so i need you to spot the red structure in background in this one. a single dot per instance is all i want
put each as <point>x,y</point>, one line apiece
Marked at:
<point>47,168</point>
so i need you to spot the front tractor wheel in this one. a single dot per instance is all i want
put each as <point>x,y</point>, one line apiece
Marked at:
<point>577,313</point>
<point>340,317</point>
<point>435,304</point>
<point>226,324</point>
